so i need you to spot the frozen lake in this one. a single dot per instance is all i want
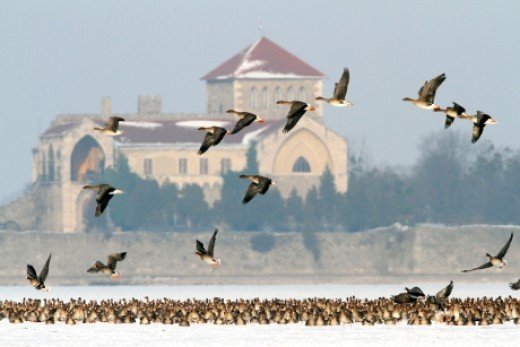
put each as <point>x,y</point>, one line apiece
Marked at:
<point>106,334</point>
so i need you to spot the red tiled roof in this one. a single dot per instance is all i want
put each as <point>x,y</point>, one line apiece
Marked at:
<point>263,59</point>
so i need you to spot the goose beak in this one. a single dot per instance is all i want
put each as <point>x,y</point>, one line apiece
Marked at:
<point>274,182</point>
<point>311,108</point>
<point>260,120</point>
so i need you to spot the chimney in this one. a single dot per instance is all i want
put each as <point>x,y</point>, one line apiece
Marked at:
<point>106,106</point>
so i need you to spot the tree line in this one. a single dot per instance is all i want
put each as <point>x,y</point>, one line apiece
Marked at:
<point>452,182</point>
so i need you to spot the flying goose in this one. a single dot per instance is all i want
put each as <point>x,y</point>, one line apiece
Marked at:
<point>340,92</point>
<point>480,120</point>
<point>213,137</point>
<point>427,94</point>
<point>112,127</point>
<point>441,296</point>
<point>515,285</point>
<point>246,119</point>
<point>297,110</point>
<point>36,281</point>
<point>497,260</point>
<point>110,268</point>
<point>259,184</point>
<point>453,112</point>
<point>104,193</point>
<point>207,256</point>
<point>415,291</point>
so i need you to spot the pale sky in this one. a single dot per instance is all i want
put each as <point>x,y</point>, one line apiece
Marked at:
<point>62,56</point>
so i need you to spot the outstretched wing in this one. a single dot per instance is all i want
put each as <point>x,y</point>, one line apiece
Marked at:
<point>206,143</point>
<point>211,245</point>
<point>45,270</point>
<point>114,258</point>
<point>292,121</point>
<point>96,267</point>
<point>297,109</point>
<point>245,121</point>
<point>477,132</point>
<point>264,184</point>
<point>458,109</point>
<point>102,204</point>
<point>515,285</point>
<point>31,272</point>
<point>448,122</point>
<point>428,90</point>
<point>200,248</point>
<point>113,123</point>
<point>252,190</point>
<point>504,249</point>
<point>341,88</point>
<point>445,292</point>
<point>483,266</point>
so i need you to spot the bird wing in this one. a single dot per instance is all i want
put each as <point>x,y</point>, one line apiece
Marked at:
<point>113,123</point>
<point>341,88</point>
<point>246,120</point>
<point>448,122</point>
<point>252,178</point>
<point>335,88</point>
<point>96,267</point>
<point>206,143</point>
<point>292,121</point>
<point>102,204</point>
<point>504,249</point>
<point>403,298</point>
<point>211,245</point>
<point>297,109</point>
<point>415,291</point>
<point>200,247</point>
<point>114,258</point>
<point>515,285</point>
<point>45,270</point>
<point>31,272</point>
<point>102,190</point>
<point>459,109</point>
<point>483,266</point>
<point>264,184</point>
<point>428,90</point>
<point>445,292</point>
<point>251,192</point>
<point>477,132</point>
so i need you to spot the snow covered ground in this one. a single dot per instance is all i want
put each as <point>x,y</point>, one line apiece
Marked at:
<point>105,334</point>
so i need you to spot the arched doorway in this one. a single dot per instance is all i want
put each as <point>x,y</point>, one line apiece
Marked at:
<point>87,160</point>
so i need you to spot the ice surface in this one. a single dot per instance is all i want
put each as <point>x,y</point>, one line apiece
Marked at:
<point>106,334</point>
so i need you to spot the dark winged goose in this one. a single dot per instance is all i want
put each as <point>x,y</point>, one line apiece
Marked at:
<point>38,281</point>
<point>104,192</point>
<point>340,92</point>
<point>297,110</point>
<point>415,291</point>
<point>497,260</point>
<point>213,137</point>
<point>453,112</point>
<point>246,119</point>
<point>208,255</point>
<point>110,268</point>
<point>426,94</point>
<point>480,120</point>
<point>441,296</point>
<point>404,298</point>
<point>515,285</point>
<point>111,127</point>
<point>259,184</point>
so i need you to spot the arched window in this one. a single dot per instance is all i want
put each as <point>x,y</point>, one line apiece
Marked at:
<point>301,165</point>
<point>277,95</point>
<point>290,94</point>
<point>253,97</point>
<point>302,93</point>
<point>265,98</point>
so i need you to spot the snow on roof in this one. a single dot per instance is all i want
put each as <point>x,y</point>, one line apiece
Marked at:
<point>141,124</point>
<point>263,59</point>
<point>202,123</point>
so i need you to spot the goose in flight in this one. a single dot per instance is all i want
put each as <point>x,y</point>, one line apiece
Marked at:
<point>112,127</point>
<point>455,111</point>
<point>441,296</point>
<point>297,110</point>
<point>480,120</point>
<point>207,255</point>
<point>427,92</point>
<point>515,285</point>
<point>259,184</point>
<point>110,268</point>
<point>340,92</point>
<point>38,281</point>
<point>497,260</point>
<point>415,291</point>
<point>104,192</point>
<point>246,119</point>
<point>213,137</point>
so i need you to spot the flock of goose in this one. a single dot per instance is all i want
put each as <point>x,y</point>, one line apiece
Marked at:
<point>422,309</point>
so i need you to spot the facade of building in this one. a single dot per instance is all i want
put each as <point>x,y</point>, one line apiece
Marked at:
<point>163,146</point>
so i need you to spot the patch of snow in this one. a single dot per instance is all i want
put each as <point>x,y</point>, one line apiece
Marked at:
<point>146,125</point>
<point>202,123</point>
<point>248,65</point>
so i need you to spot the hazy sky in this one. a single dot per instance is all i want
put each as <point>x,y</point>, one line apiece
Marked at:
<point>62,56</point>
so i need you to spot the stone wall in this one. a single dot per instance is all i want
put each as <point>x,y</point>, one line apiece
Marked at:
<point>375,256</point>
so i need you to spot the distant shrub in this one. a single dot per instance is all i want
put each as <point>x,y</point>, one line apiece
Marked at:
<point>263,243</point>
